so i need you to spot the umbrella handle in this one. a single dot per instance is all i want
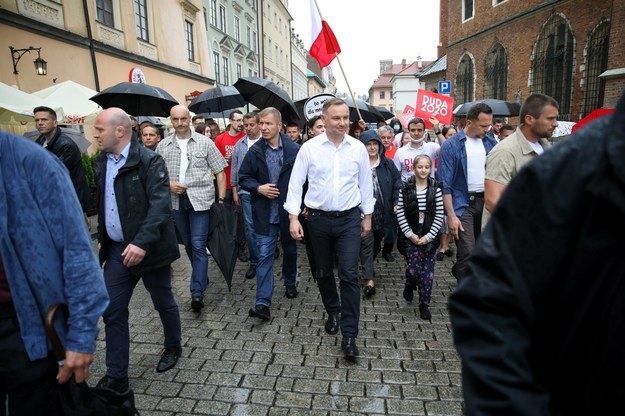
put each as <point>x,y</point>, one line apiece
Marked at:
<point>57,347</point>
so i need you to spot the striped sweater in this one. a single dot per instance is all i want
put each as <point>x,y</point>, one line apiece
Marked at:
<point>421,197</point>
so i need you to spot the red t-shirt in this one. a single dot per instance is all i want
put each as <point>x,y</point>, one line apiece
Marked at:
<point>225,143</point>
<point>390,152</point>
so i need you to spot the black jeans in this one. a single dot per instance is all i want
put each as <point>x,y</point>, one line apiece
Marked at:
<point>30,386</point>
<point>340,235</point>
<point>471,220</point>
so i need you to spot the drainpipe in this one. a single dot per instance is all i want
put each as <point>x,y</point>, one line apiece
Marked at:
<point>94,63</point>
<point>260,39</point>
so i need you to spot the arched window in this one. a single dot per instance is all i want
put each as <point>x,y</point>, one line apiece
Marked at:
<point>596,63</point>
<point>465,78</point>
<point>552,63</point>
<point>496,73</point>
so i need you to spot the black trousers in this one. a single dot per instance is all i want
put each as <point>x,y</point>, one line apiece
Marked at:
<point>338,235</point>
<point>30,386</point>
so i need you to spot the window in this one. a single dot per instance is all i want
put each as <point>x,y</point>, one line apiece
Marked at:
<point>596,63</point>
<point>249,72</point>
<point>249,37</point>
<point>104,12</point>
<point>226,71</point>
<point>216,67</point>
<point>188,34</point>
<point>222,17</point>
<point>382,94</point>
<point>205,17</point>
<point>141,20</point>
<point>467,9</point>
<point>254,41</point>
<point>214,13</point>
<point>496,73</point>
<point>239,71</point>
<point>465,78</point>
<point>237,29</point>
<point>552,63</point>
<point>270,51</point>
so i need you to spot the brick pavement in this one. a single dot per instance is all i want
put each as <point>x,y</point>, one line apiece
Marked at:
<point>235,365</point>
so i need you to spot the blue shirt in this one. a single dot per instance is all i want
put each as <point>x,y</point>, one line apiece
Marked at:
<point>111,214</point>
<point>274,158</point>
<point>452,168</point>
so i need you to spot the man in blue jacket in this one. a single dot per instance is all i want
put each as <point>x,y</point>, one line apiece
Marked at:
<point>265,173</point>
<point>46,257</point>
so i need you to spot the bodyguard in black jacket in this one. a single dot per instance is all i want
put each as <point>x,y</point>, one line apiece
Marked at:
<point>138,241</point>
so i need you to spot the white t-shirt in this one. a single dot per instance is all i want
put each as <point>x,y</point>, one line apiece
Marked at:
<point>536,147</point>
<point>476,164</point>
<point>397,139</point>
<point>405,156</point>
<point>184,159</point>
<point>251,142</point>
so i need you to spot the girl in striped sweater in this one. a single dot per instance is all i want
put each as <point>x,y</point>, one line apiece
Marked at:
<point>420,216</point>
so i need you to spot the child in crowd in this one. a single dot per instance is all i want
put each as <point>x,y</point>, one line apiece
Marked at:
<point>420,216</point>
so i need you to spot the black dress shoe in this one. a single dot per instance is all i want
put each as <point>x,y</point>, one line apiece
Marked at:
<point>242,256</point>
<point>260,311</point>
<point>440,255</point>
<point>388,257</point>
<point>291,292</point>
<point>251,272</point>
<point>168,359</point>
<point>424,312</point>
<point>277,253</point>
<point>119,385</point>
<point>350,350</point>
<point>408,292</point>
<point>369,291</point>
<point>197,303</point>
<point>332,324</point>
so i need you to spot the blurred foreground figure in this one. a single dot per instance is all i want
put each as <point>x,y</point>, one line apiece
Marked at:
<point>539,319</point>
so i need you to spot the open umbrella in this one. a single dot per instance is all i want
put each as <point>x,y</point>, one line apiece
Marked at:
<point>136,99</point>
<point>369,113</point>
<point>74,98</point>
<point>385,113</point>
<point>222,236</point>
<point>592,116</point>
<point>500,108</point>
<point>217,100</point>
<point>263,93</point>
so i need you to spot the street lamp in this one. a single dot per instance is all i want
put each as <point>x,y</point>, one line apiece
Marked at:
<point>41,66</point>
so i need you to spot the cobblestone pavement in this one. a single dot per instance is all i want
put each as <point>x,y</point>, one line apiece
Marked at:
<point>235,365</point>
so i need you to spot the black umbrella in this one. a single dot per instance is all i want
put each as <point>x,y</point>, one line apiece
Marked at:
<point>153,120</point>
<point>136,99</point>
<point>78,398</point>
<point>385,113</point>
<point>368,112</point>
<point>217,100</point>
<point>500,108</point>
<point>222,236</point>
<point>263,93</point>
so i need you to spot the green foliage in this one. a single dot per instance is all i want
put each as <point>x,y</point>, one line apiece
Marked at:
<point>88,165</point>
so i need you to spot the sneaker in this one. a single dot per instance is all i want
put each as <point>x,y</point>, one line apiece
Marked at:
<point>449,253</point>
<point>424,312</point>
<point>440,256</point>
<point>119,385</point>
<point>260,311</point>
<point>168,359</point>
<point>291,292</point>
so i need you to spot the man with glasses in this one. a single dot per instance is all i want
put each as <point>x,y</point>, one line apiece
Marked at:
<point>461,169</point>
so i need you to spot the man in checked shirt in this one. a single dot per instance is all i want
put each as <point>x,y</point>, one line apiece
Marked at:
<point>191,160</point>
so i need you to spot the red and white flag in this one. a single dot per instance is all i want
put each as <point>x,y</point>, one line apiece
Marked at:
<point>324,46</point>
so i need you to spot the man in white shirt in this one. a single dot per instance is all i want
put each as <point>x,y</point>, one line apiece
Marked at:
<point>339,202</point>
<point>418,146</point>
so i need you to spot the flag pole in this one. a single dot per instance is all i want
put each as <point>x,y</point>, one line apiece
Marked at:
<point>349,88</point>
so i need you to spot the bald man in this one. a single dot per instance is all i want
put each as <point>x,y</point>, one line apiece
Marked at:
<point>137,238</point>
<point>192,159</point>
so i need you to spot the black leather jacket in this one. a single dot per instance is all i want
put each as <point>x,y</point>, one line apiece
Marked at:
<point>144,206</point>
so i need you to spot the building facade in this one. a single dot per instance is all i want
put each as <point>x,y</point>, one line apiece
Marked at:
<point>107,42</point>
<point>276,43</point>
<point>232,34</point>
<point>572,50</point>
<point>406,83</point>
<point>299,67</point>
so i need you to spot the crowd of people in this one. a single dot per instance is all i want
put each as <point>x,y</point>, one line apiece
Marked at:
<point>347,192</point>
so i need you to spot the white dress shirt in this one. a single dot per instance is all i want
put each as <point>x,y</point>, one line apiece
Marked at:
<point>339,178</point>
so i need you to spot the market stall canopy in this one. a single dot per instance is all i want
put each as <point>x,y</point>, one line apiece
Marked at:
<point>74,98</point>
<point>17,106</point>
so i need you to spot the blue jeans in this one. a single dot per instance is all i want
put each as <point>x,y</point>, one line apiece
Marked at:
<point>120,283</point>
<point>192,226</point>
<point>264,271</point>
<point>250,236</point>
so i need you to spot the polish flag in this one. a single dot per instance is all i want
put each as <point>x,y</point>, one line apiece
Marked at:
<point>324,46</point>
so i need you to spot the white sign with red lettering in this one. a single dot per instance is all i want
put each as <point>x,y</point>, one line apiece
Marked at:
<point>430,104</point>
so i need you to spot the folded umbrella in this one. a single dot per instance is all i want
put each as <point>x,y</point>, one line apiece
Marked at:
<point>222,236</point>
<point>263,93</point>
<point>136,99</point>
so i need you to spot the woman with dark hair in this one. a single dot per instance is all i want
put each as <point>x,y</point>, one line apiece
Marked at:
<point>315,127</point>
